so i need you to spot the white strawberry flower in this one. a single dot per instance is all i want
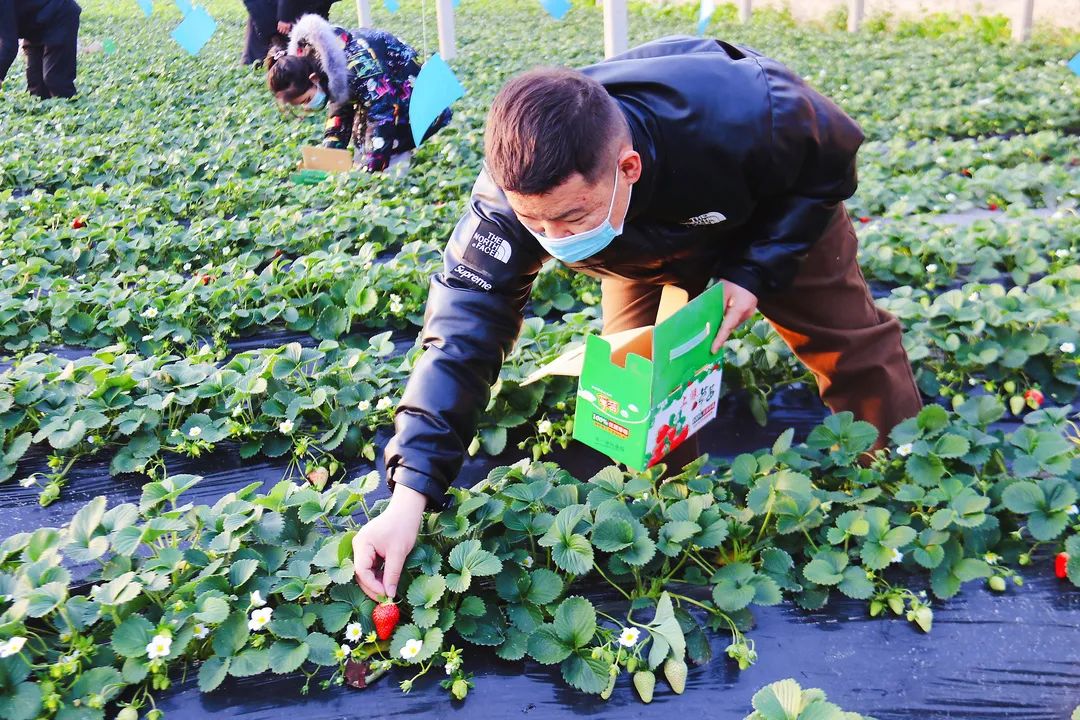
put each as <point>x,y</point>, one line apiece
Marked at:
<point>257,599</point>
<point>932,268</point>
<point>1062,253</point>
<point>150,313</point>
<point>411,649</point>
<point>343,651</point>
<point>897,556</point>
<point>237,411</point>
<point>28,482</point>
<point>974,297</point>
<point>259,618</point>
<point>159,647</point>
<point>178,338</point>
<point>544,427</point>
<point>396,307</point>
<point>201,631</point>
<point>12,646</point>
<point>528,562</point>
<point>1067,347</point>
<point>629,637</point>
<point>1073,510</point>
<point>364,405</point>
<point>354,631</point>
<point>187,266</point>
<point>195,432</point>
<point>286,427</point>
<point>904,450</point>
<point>384,403</point>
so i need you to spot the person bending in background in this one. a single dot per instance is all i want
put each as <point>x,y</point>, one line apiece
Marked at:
<point>269,23</point>
<point>50,36</point>
<point>366,78</point>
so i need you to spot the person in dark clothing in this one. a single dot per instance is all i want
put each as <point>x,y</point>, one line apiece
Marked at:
<point>269,23</point>
<point>364,76</point>
<point>683,161</point>
<point>50,37</point>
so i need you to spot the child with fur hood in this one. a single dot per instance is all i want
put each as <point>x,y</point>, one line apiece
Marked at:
<point>364,76</point>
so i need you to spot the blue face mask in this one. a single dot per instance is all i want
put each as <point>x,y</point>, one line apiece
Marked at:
<point>317,100</point>
<point>579,246</point>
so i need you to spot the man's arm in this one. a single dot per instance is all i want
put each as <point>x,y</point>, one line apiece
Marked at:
<point>473,317</point>
<point>807,170</point>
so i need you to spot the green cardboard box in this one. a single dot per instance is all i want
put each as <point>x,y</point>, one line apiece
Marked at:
<point>642,392</point>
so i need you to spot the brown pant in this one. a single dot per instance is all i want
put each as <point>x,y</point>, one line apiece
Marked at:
<point>828,319</point>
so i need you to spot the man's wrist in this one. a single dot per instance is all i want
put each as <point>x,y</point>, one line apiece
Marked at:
<point>408,499</point>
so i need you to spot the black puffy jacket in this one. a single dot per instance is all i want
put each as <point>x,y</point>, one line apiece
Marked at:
<point>744,165</point>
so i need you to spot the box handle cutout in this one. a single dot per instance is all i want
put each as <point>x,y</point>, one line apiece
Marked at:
<point>680,350</point>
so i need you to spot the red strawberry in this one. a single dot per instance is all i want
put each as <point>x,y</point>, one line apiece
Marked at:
<point>278,253</point>
<point>385,616</point>
<point>965,172</point>
<point>864,219</point>
<point>79,222</point>
<point>992,206</point>
<point>1034,397</point>
<point>1060,563</point>
<point>206,279</point>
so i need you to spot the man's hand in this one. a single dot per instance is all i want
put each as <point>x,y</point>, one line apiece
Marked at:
<point>739,305</point>
<point>284,27</point>
<point>387,540</point>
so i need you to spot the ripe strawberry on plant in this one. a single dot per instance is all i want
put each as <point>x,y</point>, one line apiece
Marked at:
<point>864,219</point>
<point>385,616</point>
<point>1034,398</point>
<point>79,222</point>
<point>1061,563</point>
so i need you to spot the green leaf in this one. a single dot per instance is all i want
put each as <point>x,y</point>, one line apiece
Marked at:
<point>472,606</point>
<point>1023,497</point>
<point>253,661</point>
<point>545,646</point>
<point>212,672</point>
<point>544,586</point>
<point>585,673</point>
<point>612,535</point>
<point>826,568</point>
<point>951,445</point>
<point>24,703</point>
<point>211,609</point>
<point>321,649</point>
<point>781,700</point>
<point>575,622</point>
<point>732,588</point>
<point>426,590</point>
<point>287,655</point>
<point>1046,526</point>
<point>469,555</point>
<point>515,646</point>
<point>241,571</point>
<point>132,636</point>
<point>855,584</point>
<point>573,554</point>
<point>231,635</point>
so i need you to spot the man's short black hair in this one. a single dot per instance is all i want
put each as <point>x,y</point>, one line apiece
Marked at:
<point>545,125</point>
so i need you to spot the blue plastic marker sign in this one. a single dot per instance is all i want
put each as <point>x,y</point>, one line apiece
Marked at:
<point>436,87</point>
<point>195,30</point>
<point>184,6</point>
<point>1074,64</point>
<point>147,7</point>
<point>556,8</point>
<point>391,5</point>
<point>705,15</point>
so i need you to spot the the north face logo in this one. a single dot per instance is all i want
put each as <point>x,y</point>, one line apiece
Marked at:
<point>493,245</point>
<point>709,218</point>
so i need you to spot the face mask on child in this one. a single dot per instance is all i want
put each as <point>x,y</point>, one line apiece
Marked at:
<point>317,101</point>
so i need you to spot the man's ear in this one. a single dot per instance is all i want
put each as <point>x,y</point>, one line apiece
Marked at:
<point>630,165</point>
